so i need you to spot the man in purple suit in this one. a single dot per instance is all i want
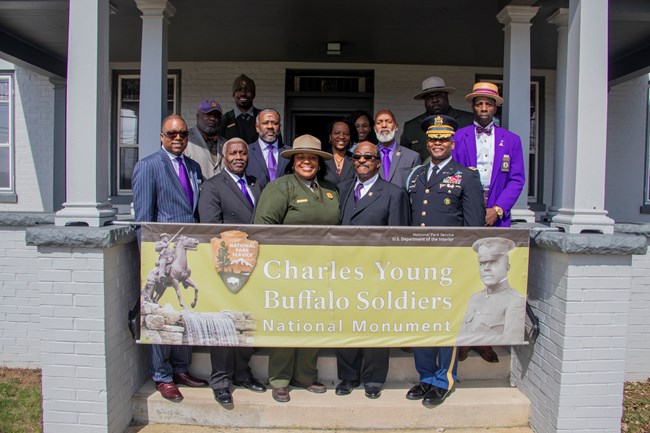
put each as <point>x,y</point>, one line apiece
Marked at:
<point>495,152</point>
<point>497,155</point>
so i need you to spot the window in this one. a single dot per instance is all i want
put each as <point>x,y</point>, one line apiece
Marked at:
<point>6,139</point>
<point>125,125</point>
<point>646,196</point>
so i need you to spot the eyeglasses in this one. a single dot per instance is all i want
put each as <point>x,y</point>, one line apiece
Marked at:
<point>366,156</point>
<point>173,134</point>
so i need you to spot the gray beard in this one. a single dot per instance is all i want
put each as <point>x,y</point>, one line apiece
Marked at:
<point>386,138</point>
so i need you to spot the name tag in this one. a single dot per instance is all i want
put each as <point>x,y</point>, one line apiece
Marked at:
<point>302,200</point>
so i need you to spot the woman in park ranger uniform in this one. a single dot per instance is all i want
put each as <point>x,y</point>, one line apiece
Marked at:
<point>301,197</point>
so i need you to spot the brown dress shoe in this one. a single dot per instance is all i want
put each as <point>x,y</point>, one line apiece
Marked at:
<point>281,395</point>
<point>315,387</point>
<point>169,391</point>
<point>188,380</point>
<point>462,353</point>
<point>487,353</point>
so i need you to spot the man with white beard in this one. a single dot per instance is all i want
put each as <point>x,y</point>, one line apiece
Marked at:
<point>396,161</point>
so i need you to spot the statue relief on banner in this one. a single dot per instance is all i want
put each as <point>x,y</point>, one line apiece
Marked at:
<point>332,286</point>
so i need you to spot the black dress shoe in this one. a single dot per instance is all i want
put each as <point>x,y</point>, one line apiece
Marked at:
<point>250,383</point>
<point>373,392</point>
<point>435,396</point>
<point>346,386</point>
<point>222,395</point>
<point>418,391</point>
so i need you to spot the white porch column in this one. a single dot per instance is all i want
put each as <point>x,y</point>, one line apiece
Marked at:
<point>153,73</point>
<point>58,135</point>
<point>516,88</point>
<point>87,118</point>
<point>561,19</point>
<point>585,123</point>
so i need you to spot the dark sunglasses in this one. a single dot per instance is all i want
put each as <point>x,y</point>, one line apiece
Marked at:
<point>366,156</point>
<point>173,134</point>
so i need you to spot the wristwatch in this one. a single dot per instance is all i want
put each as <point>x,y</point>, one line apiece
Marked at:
<point>498,210</point>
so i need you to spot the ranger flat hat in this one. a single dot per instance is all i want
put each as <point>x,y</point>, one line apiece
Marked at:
<point>243,82</point>
<point>489,90</point>
<point>433,84</point>
<point>306,144</point>
<point>439,126</point>
<point>488,249</point>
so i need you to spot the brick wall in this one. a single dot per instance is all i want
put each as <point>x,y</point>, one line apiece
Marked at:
<point>20,333</point>
<point>637,365</point>
<point>574,374</point>
<point>626,150</point>
<point>91,364</point>
<point>33,143</point>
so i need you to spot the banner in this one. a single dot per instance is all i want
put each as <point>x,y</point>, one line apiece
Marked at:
<point>332,286</point>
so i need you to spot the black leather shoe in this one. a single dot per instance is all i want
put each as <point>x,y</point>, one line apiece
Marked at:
<point>251,383</point>
<point>418,391</point>
<point>346,386</point>
<point>435,396</point>
<point>373,392</point>
<point>222,395</point>
<point>281,395</point>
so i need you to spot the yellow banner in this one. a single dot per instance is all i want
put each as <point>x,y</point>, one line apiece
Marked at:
<point>332,286</point>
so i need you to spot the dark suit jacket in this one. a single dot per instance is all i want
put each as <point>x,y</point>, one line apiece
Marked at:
<point>404,160</point>
<point>384,205</point>
<point>347,171</point>
<point>222,200</point>
<point>157,192</point>
<point>257,164</point>
<point>232,127</point>
<point>413,137</point>
<point>452,198</point>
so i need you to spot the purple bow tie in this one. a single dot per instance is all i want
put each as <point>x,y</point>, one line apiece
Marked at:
<point>480,130</point>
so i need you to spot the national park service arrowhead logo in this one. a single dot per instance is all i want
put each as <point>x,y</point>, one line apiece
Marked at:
<point>235,257</point>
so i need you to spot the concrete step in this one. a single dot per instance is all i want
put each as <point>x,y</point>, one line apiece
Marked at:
<point>401,367</point>
<point>175,428</point>
<point>474,404</point>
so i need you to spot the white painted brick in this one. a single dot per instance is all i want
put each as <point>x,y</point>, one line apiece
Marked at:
<point>55,275</point>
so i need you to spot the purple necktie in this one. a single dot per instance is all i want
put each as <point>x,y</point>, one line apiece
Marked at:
<point>357,192</point>
<point>385,162</point>
<point>185,181</point>
<point>271,163</point>
<point>242,184</point>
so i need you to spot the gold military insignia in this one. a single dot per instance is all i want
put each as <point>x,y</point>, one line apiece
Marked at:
<point>330,195</point>
<point>437,121</point>
<point>447,201</point>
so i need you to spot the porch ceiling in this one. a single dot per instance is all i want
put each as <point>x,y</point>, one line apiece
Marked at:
<point>440,32</point>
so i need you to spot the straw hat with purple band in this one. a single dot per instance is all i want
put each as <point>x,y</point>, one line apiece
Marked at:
<point>489,90</point>
<point>209,105</point>
<point>433,84</point>
<point>488,249</point>
<point>306,144</point>
<point>439,126</point>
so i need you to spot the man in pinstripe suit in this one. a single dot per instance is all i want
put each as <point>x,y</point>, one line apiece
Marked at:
<point>166,189</point>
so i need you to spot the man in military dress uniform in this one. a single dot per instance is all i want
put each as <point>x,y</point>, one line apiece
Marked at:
<point>442,193</point>
<point>495,315</point>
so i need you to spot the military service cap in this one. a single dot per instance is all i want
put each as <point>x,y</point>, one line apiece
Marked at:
<point>439,126</point>
<point>488,249</point>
